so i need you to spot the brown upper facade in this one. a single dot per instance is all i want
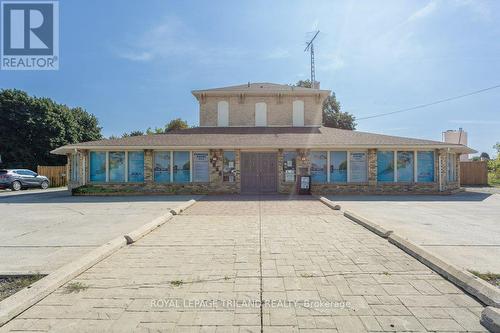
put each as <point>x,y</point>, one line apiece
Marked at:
<point>261,105</point>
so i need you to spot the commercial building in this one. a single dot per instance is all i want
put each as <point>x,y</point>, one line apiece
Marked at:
<point>256,138</point>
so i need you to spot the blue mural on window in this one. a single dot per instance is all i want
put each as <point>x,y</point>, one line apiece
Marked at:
<point>385,166</point>
<point>425,166</point>
<point>181,167</point>
<point>97,166</point>
<point>136,166</point>
<point>318,166</point>
<point>405,166</point>
<point>116,166</point>
<point>338,166</point>
<point>162,167</point>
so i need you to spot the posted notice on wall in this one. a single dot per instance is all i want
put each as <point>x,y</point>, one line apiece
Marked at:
<point>200,167</point>
<point>357,161</point>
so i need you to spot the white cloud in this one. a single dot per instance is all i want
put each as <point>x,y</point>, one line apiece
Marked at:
<point>423,12</point>
<point>331,62</point>
<point>172,38</point>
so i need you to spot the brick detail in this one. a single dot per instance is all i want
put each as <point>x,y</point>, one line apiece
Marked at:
<point>372,167</point>
<point>148,166</point>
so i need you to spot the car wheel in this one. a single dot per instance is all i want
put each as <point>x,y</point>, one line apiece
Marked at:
<point>16,185</point>
<point>44,185</point>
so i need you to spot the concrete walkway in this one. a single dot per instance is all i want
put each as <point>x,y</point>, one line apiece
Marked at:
<point>249,264</point>
<point>463,228</point>
<point>40,232</point>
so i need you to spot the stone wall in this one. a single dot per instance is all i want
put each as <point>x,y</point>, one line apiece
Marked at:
<point>279,110</point>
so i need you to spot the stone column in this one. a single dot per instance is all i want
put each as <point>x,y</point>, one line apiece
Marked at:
<point>303,161</point>
<point>372,167</point>
<point>148,166</point>
<point>237,167</point>
<point>216,165</point>
<point>442,171</point>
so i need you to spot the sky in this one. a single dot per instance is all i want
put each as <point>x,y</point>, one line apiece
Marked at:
<point>134,63</point>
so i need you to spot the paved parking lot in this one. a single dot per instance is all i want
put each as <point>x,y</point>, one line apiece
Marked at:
<point>245,264</point>
<point>41,231</point>
<point>463,228</point>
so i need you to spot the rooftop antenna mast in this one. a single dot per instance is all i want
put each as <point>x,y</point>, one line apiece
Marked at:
<point>310,47</point>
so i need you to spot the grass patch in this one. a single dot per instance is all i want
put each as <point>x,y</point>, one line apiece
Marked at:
<point>75,287</point>
<point>11,285</point>
<point>491,278</point>
<point>176,283</point>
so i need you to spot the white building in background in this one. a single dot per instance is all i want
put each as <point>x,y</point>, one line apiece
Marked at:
<point>459,137</point>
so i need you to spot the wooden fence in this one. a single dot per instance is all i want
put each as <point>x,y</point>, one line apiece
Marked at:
<point>474,173</point>
<point>56,174</point>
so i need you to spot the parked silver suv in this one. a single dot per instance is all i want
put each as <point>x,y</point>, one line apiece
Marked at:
<point>18,179</point>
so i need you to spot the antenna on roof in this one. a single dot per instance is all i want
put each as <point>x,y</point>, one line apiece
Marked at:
<point>310,47</point>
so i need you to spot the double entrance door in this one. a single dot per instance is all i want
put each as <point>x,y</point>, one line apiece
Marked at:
<point>259,172</point>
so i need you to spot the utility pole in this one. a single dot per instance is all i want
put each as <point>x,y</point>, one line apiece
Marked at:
<point>310,47</point>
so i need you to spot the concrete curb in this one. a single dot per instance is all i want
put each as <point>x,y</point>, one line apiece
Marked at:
<point>182,207</point>
<point>490,318</point>
<point>473,285</point>
<point>377,229</point>
<point>137,234</point>
<point>25,298</point>
<point>329,203</point>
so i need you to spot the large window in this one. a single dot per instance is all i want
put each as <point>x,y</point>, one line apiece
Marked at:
<point>338,166</point>
<point>116,166</point>
<point>229,168</point>
<point>200,167</point>
<point>425,166</point>
<point>358,167</point>
<point>97,166</point>
<point>289,165</point>
<point>162,167</point>
<point>452,172</point>
<point>318,166</point>
<point>405,166</point>
<point>385,166</point>
<point>135,166</point>
<point>182,167</point>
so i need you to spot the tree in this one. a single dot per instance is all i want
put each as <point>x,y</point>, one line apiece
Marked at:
<point>30,127</point>
<point>133,133</point>
<point>484,156</point>
<point>332,114</point>
<point>176,124</point>
<point>497,148</point>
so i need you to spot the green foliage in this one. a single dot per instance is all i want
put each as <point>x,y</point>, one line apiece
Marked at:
<point>332,114</point>
<point>484,156</point>
<point>133,133</point>
<point>30,127</point>
<point>497,148</point>
<point>176,124</point>
<point>75,287</point>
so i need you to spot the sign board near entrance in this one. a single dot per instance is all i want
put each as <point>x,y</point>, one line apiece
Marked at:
<point>200,167</point>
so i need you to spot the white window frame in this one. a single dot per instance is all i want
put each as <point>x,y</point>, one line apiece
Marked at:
<point>298,113</point>
<point>260,114</point>
<point>222,114</point>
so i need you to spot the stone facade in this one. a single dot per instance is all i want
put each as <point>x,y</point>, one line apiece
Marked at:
<point>279,110</point>
<point>216,185</point>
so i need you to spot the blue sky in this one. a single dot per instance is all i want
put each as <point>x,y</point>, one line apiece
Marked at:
<point>134,63</point>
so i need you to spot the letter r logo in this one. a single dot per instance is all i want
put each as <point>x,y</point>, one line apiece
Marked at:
<point>28,28</point>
